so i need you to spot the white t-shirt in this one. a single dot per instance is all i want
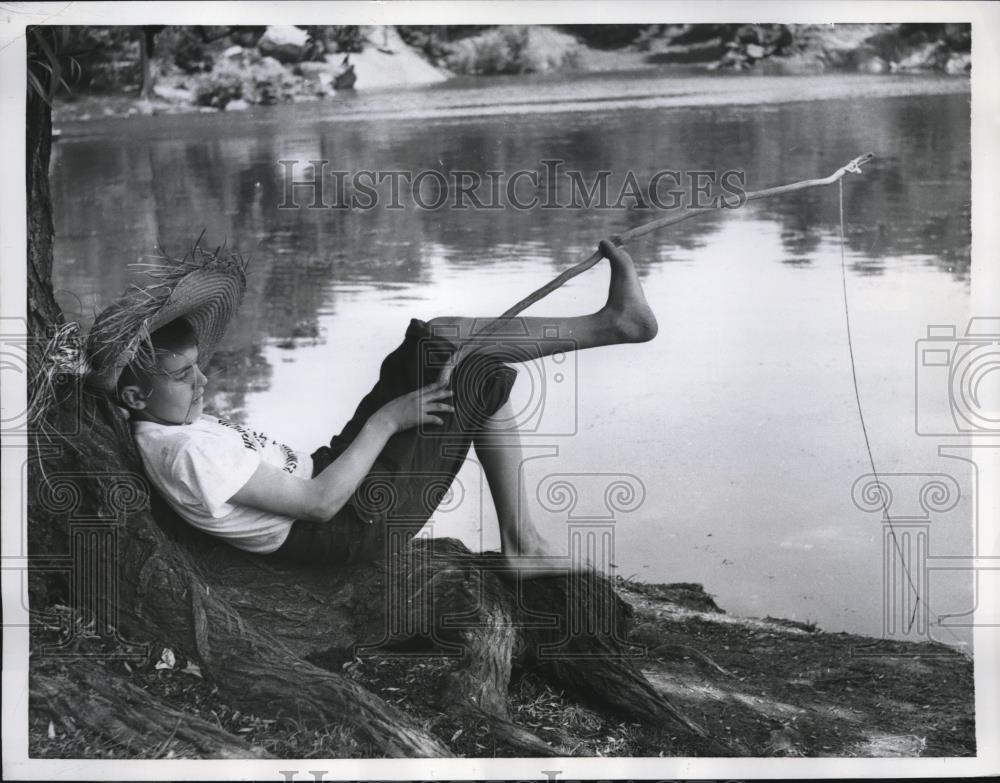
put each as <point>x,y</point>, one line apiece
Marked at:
<point>197,467</point>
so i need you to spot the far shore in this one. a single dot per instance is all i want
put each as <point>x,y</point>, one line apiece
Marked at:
<point>711,90</point>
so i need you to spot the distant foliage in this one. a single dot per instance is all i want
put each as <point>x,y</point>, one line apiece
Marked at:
<point>333,39</point>
<point>261,82</point>
<point>108,57</point>
<point>513,49</point>
<point>606,36</point>
<point>428,40</point>
<point>218,88</point>
<point>348,38</point>
<point>435,41</point>
<point>51,66</point>
<point>185,48</point>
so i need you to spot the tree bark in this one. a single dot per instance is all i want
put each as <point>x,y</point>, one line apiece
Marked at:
<point>147,52</point>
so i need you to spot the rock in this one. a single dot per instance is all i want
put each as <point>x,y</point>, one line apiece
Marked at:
<point>755,51</point>
<point>873,65</point>
<point>173,94</point>
<point>233,52</point>
<point>923,57</point>
<point>237,104</point>
<point>270,65</point>
<point>794,65</point>
<point>286,44</point>
<point>313,70</point>
<point>958,63</point>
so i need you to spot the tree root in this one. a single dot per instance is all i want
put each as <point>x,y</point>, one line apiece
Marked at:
<point>88,695</point>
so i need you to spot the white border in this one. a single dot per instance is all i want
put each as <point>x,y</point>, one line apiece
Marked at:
<point>985,18</point>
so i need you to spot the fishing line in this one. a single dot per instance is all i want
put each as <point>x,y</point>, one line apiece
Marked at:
<point>886,517</point>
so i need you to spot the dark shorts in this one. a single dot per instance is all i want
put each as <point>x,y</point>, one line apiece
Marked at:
<point>415,469</point>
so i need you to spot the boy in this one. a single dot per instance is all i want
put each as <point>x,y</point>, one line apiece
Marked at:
<point>392,462</point>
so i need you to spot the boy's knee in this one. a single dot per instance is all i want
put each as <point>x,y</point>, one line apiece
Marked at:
<point>446,327</point>
<point>481,385</point>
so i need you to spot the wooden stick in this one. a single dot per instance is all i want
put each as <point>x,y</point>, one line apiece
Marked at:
<point>653,225</point>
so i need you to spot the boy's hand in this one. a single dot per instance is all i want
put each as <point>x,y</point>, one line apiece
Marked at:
<point>417,407</point>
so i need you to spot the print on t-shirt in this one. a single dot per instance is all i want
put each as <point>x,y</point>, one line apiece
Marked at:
<point>255,441</point>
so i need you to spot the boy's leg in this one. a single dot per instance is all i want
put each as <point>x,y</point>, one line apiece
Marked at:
<point>498,448</point>
<point>625,318</point>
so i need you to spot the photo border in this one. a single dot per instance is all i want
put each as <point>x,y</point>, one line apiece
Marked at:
<point>985,20</point>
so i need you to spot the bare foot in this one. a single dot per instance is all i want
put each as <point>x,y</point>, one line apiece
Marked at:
<point>535,558</point>
<point>627,312</point>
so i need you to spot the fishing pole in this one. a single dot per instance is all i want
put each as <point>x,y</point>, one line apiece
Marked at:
<point>853,167</point>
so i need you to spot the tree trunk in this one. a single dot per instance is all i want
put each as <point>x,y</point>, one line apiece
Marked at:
<point>147,51</point>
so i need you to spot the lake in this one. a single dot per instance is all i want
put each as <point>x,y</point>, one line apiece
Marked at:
<point>738,424</point>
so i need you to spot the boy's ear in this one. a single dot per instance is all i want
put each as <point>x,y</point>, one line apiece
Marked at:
<point>132,397</point>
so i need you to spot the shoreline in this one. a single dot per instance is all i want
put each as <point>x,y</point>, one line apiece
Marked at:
<point>768,687</point>
<point>716,90</point>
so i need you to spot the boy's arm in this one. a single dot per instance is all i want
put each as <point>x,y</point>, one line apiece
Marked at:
<point>318,499</point>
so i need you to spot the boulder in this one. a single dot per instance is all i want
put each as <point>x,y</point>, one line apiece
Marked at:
<point>873,65</point>
<point>799,64</point>
<point>284,43</point>
<point>237,104</point>
<point>958,63</point>
<point>173,94</point>
<point>232,53</point>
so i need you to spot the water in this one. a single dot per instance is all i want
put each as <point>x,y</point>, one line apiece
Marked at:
<point>739,420</point>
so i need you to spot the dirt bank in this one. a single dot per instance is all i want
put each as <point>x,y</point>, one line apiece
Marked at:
<point>766,687</point>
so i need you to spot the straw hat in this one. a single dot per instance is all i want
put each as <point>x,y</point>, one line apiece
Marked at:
<point>204,287</point>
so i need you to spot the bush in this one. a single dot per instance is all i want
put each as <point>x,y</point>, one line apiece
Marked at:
<point>189,51</point>
<point>427,39</point>
<point>347,38</point>
<point>513,49</point>
<point>108,58</point>
<point>264,82</point>
<point>268,81</point>
<point>222,85</point>
<point>329,39</point>
<point>605,36</point>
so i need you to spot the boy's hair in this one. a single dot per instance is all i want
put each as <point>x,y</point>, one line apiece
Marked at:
<point>177,335</point>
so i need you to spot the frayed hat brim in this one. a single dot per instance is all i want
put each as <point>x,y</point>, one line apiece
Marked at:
<point>205,288</point>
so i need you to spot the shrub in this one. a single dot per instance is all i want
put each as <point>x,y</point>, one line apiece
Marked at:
<point>430,40</point>
<point>222,85</point>
<point>348,38</point>
<point>606,36</point>
<point>108,57</point>
<point>264,81</point>
<point>268,81</point>
<point>513,49</point>
<point>188,48</point>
